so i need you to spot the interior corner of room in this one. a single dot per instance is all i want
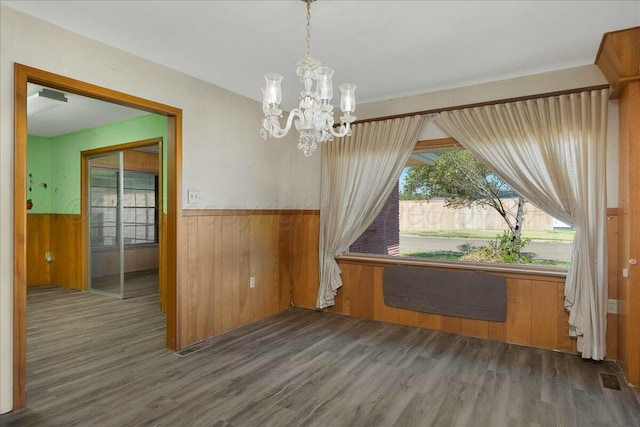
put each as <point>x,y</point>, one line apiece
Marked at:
<point>212,245</point>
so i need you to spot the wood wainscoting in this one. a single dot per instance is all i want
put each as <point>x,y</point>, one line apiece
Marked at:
<point>59,234</point>
<point>38,243</point>
<point>225,248</point>
<point>618,58</point>
<point>535,303</point>
<point>629,247</point>
<point>535,309</point>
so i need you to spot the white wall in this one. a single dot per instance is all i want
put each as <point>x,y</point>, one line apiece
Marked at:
<point>223,156</point>
<point>553,81</point>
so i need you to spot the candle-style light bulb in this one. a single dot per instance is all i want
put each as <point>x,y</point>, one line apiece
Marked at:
<point>273,91</point>
<point>348,97</point>
<point>325,85</point>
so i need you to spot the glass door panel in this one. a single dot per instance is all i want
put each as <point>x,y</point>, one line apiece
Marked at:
<point>106,242</point>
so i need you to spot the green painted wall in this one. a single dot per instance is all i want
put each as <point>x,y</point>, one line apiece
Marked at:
<point>39,173</point>
<point>64,158</point>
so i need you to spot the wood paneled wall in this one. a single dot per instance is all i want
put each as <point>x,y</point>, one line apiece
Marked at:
<point>38,243</point>
<point>227,247</point>
<point>60,235</point>
<point>629,227</point>
<point>618,59</point>
<point>612,280</point>
<point>535,309</point>
<point>535,304</point>
<point>66,247</point>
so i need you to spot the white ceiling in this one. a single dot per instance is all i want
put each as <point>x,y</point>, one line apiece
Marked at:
<point>388,48</point>
<point>78,113</point>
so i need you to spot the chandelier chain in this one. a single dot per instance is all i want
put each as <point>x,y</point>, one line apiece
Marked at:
<point>313,118</point>
<point>308,27</point>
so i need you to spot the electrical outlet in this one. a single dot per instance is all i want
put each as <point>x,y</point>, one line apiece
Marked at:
<point>193,196</point>
<point>625,272</point>
<point>252,282</point>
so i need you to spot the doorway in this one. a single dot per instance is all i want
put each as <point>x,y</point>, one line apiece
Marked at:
<point>123,188</point>
<point>168,245</point>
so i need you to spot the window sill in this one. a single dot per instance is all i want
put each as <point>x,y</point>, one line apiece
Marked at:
<point>520,270</point>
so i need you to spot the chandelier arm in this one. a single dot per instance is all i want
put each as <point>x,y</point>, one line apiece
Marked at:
<point>344,130</point>
<point>315,119</point>
<point>280,132</point>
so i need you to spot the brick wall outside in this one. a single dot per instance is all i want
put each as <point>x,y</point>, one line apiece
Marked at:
<point>383,236</point>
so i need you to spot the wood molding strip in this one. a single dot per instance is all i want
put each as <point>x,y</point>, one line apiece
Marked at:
<point>486,103</point>
<point>606,35</point>
<point>20,239</point>
<point>384,261</point>
<point>630,79</point>
<point>434,144</point>
<point>613,211</point>
<point>239,212</point>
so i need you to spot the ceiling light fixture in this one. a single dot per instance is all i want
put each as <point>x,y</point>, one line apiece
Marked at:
<point>44,100</point>
<point>315,112</point>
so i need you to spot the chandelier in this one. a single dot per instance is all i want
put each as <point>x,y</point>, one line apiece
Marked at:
<point>314,115</point>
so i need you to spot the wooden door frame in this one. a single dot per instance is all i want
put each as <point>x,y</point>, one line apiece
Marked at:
<point>22,76</point>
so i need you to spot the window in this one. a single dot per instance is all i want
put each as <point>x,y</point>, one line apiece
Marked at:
<point>139,208</point>
<point>451,207</point>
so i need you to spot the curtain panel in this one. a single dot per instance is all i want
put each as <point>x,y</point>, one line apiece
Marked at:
<point>358,174</point>
<point>553,152</point>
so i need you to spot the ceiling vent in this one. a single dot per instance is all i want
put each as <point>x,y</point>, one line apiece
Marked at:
<point>44,100</point>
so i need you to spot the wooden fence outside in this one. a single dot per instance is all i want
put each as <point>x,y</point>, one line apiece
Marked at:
<point>434,215</point>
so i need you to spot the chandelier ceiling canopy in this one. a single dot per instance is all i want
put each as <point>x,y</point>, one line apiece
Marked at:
<point>314,115</point>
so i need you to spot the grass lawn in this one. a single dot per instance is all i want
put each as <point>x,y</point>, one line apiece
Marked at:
<point>455,256</point>
<point>553,235</point>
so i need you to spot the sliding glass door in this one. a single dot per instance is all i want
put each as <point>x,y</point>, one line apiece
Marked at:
<point>106,242</point>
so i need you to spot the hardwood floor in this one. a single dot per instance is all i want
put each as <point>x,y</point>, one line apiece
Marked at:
<point>98,361</point>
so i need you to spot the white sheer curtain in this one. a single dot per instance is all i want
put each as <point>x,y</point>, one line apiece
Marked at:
<point>553,152</point>
<point>358,174</point>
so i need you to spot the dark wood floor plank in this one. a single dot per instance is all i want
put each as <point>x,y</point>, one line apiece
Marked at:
<point>94,360</point>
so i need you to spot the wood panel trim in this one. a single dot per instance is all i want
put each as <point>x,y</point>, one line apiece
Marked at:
<point>241,212</point>
<point>628,292</point>
<point>607,35</point>
<point>630,79</point>
<point>432,144</point>
<point>20,239</point>
<point>520,271</point>
<point>124,146</point>
<point>484,104</point>
<point>618,58</point>
<point>22,75</point>
<point>613,212</point>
